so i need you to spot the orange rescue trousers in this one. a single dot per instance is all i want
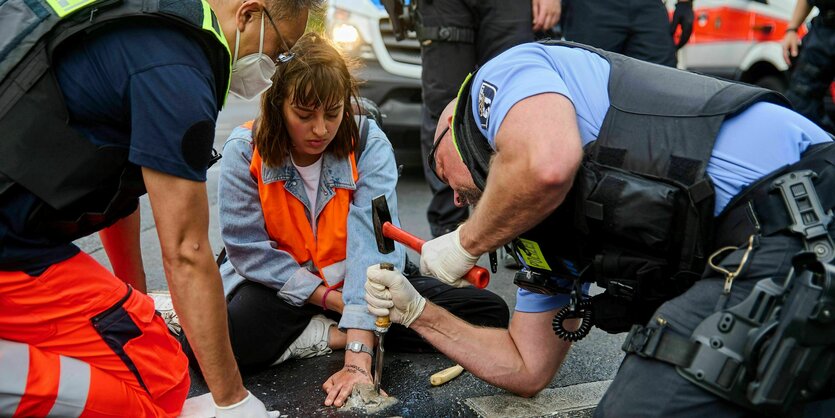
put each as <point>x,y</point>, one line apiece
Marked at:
<point>77,341</point>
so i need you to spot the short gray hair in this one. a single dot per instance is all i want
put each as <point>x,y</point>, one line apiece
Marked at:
<point>283,9</point>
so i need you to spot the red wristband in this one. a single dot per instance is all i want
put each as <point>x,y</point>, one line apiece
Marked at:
<point>325,299</point>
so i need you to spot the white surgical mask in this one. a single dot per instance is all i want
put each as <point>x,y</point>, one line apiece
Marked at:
<point>252,74</point>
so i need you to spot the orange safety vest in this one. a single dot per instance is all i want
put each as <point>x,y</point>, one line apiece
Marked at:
<point>287,224</point>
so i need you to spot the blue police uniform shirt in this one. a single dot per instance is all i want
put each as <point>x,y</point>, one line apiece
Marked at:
<point>139,87</point>
<point>750,145</point>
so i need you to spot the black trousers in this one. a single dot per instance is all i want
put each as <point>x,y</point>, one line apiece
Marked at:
<point>651,388</point>
<point>813,72</point>
<point>262,326</point>
<point>636,28</point>
<point>498,25</point>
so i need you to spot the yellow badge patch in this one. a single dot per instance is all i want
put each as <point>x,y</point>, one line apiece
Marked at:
<point>532,254</point>
<point>65,7</point>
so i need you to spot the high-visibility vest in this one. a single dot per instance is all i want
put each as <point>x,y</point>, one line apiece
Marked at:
<point>288,225</point>
<point>85,188</point>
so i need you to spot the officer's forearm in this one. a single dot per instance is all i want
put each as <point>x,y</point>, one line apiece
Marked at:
<point>522,364</point>
<point>538,153</point>
<point>509,206</point>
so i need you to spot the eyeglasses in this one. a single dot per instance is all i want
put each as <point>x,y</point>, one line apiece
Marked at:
<point>431,162</point>
<point>287,55</point>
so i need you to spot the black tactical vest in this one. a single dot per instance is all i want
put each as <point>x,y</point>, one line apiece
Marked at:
<point>639,218</point>
<point>83,187</point>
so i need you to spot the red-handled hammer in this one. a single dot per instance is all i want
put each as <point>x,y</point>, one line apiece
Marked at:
<point>386,233</point>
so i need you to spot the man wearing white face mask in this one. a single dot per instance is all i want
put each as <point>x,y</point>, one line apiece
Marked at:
<point>251,74</point>
<point>127,118</point>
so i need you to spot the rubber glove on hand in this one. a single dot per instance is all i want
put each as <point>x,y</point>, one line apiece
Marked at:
<point>683,16</point>
<point>248,407</point>
<point>445,259</point>
<point>389,293</point>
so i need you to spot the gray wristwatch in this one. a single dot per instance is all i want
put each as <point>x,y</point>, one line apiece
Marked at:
<point>359,347</point>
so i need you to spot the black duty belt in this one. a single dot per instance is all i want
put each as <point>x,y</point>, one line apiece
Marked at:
<point>760,209</point>
<point>445,34</point>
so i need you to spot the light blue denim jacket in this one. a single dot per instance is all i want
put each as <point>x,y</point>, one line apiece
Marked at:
<point>253,256</point>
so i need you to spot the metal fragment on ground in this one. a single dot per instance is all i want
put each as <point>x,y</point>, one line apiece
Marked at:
<point>366,399</point>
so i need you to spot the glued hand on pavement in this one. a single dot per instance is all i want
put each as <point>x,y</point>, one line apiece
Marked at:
<point>389,293</point>
<point>340,386</point>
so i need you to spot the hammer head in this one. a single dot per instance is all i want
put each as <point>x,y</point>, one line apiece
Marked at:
<point>380,215</point>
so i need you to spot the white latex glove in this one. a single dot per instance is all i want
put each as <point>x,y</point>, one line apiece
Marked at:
<point>388,293</point>
<point>445,259</point>
<point>248,407</point>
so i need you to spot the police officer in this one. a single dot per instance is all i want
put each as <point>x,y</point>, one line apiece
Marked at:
<point>637,28</point>
<point>99,102</point>
<point>815,67</point>
<point>456,36</point>
<point>608,169</point>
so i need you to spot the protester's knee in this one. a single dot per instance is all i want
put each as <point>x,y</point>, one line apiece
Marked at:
<point>485,308</point>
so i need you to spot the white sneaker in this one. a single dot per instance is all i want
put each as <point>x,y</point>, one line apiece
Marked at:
<point>163,305</point>
<point>312,342</point>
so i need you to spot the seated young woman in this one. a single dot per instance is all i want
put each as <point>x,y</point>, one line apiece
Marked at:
<point>295,215</point>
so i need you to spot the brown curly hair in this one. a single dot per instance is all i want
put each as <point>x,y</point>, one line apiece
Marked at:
<point>318,76</point>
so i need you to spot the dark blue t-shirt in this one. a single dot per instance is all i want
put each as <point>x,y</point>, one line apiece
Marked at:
<point>139,87</point>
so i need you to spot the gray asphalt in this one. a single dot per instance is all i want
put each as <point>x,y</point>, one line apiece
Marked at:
<point>294,388</point>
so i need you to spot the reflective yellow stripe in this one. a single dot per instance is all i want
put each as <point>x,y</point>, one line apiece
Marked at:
<point>65,7</point>
<point>455,116</point>
<point>207,25</point>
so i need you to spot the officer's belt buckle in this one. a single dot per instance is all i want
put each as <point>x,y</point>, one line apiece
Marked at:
<point>642,341</point>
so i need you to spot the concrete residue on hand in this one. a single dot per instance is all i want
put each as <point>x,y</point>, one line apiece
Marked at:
<point>365,398</point>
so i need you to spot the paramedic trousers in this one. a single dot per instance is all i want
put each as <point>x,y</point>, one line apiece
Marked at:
<point>77,341</point>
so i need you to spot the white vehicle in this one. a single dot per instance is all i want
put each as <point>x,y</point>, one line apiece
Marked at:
<point>740,40</point>
<point>391,69</point>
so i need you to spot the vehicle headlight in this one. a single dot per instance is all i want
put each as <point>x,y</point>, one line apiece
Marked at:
<point>346,36</point>
<point>346,31</point>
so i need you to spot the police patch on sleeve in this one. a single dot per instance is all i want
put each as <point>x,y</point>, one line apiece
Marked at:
<point>486,94</point>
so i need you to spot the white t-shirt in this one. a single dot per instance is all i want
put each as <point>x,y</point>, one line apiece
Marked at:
<point>310,177</point>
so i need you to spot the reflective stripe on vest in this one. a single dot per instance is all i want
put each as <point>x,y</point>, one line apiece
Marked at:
<point>70,393</point>
<point>287,224</point>
<point>210,24</point>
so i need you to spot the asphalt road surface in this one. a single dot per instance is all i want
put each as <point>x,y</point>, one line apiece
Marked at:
<point>294,388</point>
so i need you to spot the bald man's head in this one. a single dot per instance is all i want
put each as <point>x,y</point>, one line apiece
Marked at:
<point>447,163</point>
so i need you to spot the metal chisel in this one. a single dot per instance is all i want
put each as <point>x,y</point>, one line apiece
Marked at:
<point>382,326</point>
